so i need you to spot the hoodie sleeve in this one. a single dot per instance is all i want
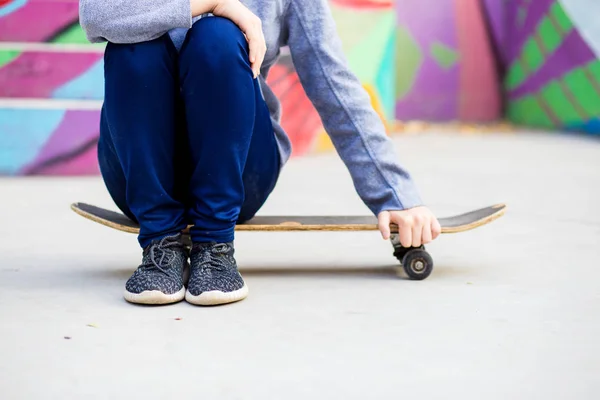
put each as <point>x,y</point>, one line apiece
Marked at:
<point>132,21</point>
<point>344,106</point>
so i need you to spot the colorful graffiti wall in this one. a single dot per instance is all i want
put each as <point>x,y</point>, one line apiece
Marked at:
<point>552,73</point>
<point>41,135</point>
<point>51,84</point>
<point>535,62</point>
<point>446,69</point>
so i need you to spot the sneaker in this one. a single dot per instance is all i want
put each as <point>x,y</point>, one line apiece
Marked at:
<point>214,277</point>
<point>160,278</point>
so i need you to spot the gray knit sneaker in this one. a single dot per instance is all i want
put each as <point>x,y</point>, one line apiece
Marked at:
<point>160,278</point>
<point>214,277</point>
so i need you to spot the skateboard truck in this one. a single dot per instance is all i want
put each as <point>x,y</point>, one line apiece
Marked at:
<point>416,261</point>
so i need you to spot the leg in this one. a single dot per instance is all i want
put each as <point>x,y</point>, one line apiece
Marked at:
<point>110,168</point>
<point>262,164</point>
<point>139,136</point>
<point>141,89</point>
<point>112,172</point>
<point>222,102</point>
<point>234,154</point>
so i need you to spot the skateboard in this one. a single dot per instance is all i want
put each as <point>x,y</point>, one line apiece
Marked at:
<point>416,261</point>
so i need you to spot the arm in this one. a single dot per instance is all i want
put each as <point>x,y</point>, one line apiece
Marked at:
<point>134,21</point>
<point>345,109</point>
<point>353,125</point>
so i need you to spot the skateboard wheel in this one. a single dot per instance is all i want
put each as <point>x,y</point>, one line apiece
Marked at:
<point>417,264</point>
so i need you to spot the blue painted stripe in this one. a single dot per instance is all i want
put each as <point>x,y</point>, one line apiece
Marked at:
<point>23,133</point>
<point>88,85</point>
<point>385,80</point>
<point>12,7</point>
<point>592,126</point>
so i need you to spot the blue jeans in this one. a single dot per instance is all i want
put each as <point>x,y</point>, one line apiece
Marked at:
<point>186,137</point>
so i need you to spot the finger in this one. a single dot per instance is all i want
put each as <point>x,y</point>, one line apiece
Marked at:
<point>253,42</point>
<point>249,46</point>
<point>256,52</point>
<point>384,225</point>
<point>436,229</point>
<point>258,44</point>
<point>417,231</point>
<point>405,232</point>
<point>252,47</point>
<point>261,58</point>
<point>261,49</point>
<point>426,235</point>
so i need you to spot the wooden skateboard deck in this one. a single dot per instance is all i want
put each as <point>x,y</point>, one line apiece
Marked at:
<point>416,261</point>
<point>453,224</point>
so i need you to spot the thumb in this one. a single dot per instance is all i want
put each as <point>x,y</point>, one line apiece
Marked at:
<point>384,224</point>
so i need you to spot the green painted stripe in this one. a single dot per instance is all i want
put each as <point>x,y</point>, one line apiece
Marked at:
<point>73,35</point>
<point>528,111</point>
<point>351,25</point>
<point>563,20</point>
<point>551,39</point>
<point>372,47</point>
<point>532,55</point>
<point>594,68</point>
<point>409,59</point>
<point>584,91</point>
<point>515,76</point>
<point>444,55</point>
<point>560,105</point>
<point>7,56</point>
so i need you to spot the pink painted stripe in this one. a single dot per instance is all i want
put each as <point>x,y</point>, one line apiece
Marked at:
<point>479,88</point>
<point>83,164</point>
<point>75,130</point>
<point>38,74</point>
<point>37,21</point>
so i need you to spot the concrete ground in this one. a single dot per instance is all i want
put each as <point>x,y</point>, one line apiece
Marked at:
<point>511,311</point>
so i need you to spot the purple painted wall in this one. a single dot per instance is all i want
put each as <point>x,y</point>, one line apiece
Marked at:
<point>446,69</point>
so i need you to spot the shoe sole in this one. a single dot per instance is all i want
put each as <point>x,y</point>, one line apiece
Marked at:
<point>217,297</point>
<point>154,297</point>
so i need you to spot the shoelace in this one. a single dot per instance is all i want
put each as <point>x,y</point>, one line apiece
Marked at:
<point>166,246</point>
<point>211,257</point>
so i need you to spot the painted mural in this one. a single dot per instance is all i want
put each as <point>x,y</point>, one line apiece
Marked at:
<point>535,62</point>
<point>62,141</point>
<point>46,140</point>
<point>553,75</point>
<point>445,67</point>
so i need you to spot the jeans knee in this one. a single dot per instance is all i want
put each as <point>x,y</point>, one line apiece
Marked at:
<point>216,43</point>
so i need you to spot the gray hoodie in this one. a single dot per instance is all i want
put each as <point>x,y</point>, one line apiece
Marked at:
<point>308,29</point>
